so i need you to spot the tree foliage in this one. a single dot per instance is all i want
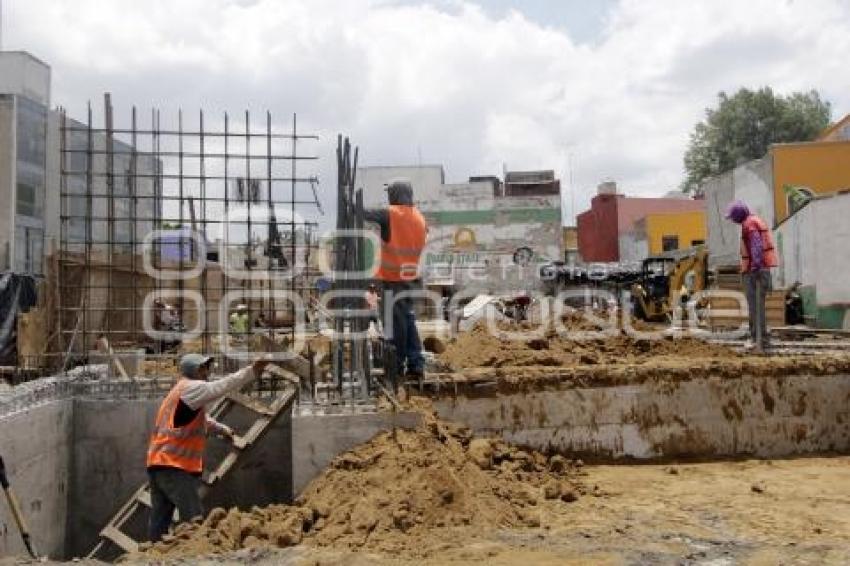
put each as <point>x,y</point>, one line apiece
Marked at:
<point>743,126</point>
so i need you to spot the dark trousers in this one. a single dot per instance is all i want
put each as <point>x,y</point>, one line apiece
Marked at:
<point>172,488</point>
<point>756,285</point>
<point>405,336</point>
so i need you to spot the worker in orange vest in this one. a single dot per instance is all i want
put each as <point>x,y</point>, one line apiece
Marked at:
<point>176,448</point>
<point>403,235</point>
<point>758,256</point>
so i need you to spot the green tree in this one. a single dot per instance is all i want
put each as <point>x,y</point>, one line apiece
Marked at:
<point>743,126</point>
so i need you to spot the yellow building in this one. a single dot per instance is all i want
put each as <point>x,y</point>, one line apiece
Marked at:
<point>818,167</point>
<point>671,231</point>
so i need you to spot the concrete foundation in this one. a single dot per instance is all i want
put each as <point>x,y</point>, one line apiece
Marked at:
<point>700,418</point>
<point>73,461</point>
<point>36,447</point>
<point>74,458</point>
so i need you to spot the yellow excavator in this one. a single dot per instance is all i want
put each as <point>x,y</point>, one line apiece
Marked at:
<point>668,281</point>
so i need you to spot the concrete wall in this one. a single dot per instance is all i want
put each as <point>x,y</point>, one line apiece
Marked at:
<point>634,248</point>
<point>813,250</point>
<point>750,182</point>
<point>23,74</point>
<point>473,236</point>
<point>111,441</point>
<point>759,416</point>
<point>318,439</point>
<point>36,447</point>
<point>108,464</point>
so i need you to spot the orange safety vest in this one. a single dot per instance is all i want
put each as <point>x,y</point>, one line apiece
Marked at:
<point>177,447</point>
<point>752,224</point>
<point>400,256</point>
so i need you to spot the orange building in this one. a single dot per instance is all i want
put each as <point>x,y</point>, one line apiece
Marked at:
<point>818,167</point>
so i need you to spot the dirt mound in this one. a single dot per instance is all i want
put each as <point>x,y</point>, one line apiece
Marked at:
<point>482,348</point>
<point>397,493</point>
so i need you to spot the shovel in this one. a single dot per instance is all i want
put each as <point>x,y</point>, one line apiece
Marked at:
<point>16,510</point>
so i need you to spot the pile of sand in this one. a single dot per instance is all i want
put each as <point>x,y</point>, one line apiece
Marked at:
<point>482,348</point>
<point>400,492</point>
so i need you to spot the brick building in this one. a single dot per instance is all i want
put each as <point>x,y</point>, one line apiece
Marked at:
<point>612,218</point>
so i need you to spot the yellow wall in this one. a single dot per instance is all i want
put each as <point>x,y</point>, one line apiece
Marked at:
<point>823,167</point>
<point>688,226</point>
<point>570,238</point>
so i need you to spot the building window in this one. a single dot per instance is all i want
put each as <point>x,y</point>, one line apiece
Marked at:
<point>28,250</point>
<point>32,132</point>
<point>27,201</point>
<point>669,243</point>
<point>695,243</point>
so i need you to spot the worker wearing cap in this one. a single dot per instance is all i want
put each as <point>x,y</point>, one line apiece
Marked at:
<point>176,448</point>
<point>403,234</point>
<point>758,256</point>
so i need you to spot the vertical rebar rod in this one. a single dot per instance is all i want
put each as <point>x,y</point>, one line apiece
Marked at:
<point>181,286</point>
<point>133,172</point>
<point>224,334</point>
<point>86,269</point>
<point>292,199</point>
<point>63,226</point>
<point>271,232</point>
<point>207,343</point>
<point>110,200</point>
<point>249,262</point>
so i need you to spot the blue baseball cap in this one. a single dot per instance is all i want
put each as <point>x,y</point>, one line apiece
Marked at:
<point>190,363</point>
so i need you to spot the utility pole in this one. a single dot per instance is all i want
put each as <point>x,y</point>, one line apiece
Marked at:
<point>572,191</point>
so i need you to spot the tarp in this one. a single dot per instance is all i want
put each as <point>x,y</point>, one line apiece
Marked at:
<point>17,295</point>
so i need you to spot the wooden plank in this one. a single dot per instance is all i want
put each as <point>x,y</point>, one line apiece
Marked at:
<point>144,497</point>
<point>120,539</point>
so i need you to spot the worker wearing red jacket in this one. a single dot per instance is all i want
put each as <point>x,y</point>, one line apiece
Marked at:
<point>758,256</point>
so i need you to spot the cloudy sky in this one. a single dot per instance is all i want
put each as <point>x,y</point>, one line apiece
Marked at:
<point>613,87</point>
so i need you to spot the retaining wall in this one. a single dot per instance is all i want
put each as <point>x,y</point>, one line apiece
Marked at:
<point>35,446</point>
<point>700,418</point>
<point>74,459</point>
<point>75,452</point>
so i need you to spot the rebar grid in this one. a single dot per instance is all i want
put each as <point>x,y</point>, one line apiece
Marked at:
<point>165,229</point>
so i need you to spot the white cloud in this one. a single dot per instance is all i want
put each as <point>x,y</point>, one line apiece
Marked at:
<point>447,82</point>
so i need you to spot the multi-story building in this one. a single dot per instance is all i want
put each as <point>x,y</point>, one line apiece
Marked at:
<point>43,209</point>
<point>24,109</point>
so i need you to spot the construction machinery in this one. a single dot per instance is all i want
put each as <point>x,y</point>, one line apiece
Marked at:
<point>668,281</point>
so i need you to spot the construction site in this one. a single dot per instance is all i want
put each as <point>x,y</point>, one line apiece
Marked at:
<point>588,394</point>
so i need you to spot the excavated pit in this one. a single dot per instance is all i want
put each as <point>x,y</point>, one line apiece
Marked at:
<point>76,453</point>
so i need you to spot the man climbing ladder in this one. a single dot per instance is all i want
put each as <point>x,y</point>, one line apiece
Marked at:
<point>176,447</point>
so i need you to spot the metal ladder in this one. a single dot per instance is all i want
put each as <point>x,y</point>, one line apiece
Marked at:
<point>267,413</point>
